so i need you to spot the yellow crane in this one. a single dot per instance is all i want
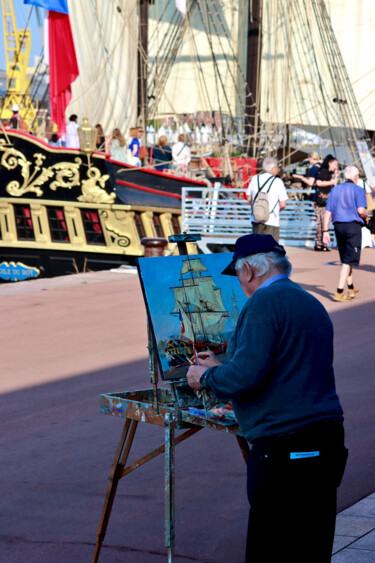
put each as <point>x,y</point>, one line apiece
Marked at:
<point>17,52</point>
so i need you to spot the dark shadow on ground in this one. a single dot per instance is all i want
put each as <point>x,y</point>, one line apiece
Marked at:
<point>317,289</point>
<point>57,451</point>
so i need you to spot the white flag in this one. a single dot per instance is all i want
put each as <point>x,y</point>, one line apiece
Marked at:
<point>181,6</point>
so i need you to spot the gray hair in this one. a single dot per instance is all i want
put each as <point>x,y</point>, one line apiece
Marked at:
<point>269,163</point>
<point>266,263</point>
<point>351,172</point>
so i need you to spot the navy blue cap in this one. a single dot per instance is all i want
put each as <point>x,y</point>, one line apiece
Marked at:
<point>252,244</point>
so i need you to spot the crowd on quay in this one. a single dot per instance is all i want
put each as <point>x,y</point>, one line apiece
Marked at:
<point>168,149</point>
<point>163,154</point>
<point>348,204</point>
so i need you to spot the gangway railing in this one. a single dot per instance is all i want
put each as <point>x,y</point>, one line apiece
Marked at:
<point>221,215</point>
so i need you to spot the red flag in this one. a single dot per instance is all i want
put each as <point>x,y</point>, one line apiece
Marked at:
<point>63,66</point>
<point>182,321</point>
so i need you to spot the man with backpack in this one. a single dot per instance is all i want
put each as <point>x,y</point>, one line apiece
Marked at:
<point>267,197</point>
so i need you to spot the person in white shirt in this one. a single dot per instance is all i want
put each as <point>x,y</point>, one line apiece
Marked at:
<point>181,154</point>
<point>71,135</point>
<point>268,182</point>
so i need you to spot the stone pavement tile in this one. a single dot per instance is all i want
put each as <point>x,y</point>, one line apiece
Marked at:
<point>341,542</point>
<point>365,507</point>
<point>353,525</point>
<point>354,556</point>
<point>366,542</point>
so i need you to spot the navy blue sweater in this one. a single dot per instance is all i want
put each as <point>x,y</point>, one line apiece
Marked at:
<point>279,374</point>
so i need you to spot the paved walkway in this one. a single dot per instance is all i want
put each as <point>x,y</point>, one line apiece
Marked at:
<point>69,339</point>
<point>355,533</point>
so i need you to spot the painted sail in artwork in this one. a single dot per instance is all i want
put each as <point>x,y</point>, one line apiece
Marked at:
<point>199,301</point>
<point>191,306</point>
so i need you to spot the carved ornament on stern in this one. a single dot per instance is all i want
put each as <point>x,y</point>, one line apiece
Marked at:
<point>114,229</point>
<point>91,192</point>
<point>66,173</point>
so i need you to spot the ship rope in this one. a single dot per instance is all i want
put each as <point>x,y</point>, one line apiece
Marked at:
<point>294,34</point>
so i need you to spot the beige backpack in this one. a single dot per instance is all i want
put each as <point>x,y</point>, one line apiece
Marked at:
<point>261,206</point>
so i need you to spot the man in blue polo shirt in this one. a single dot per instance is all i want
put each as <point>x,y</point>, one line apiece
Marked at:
<point>279,378</point>
<point>346,206</point>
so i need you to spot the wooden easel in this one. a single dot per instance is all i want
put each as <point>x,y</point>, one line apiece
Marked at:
<point>154,407</point>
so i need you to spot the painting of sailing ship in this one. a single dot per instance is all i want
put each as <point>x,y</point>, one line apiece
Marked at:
<point>191,307</point>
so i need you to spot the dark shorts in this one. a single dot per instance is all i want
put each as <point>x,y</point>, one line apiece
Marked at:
<point>349,238</point>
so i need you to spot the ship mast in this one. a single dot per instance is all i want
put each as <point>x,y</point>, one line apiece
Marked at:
<point>254,48</point>
<point>142,67</point>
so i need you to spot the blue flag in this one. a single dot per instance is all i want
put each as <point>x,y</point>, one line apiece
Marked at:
<point>54,5</point>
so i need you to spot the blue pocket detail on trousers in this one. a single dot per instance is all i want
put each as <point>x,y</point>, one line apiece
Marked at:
<point>301,455</point>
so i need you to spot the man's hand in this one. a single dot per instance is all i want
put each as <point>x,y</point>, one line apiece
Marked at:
<point>326,238</point>
<point>193,376</point>
<point>207,359</point>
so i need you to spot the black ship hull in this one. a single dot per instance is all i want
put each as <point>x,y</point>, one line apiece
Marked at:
<point>62,211</point>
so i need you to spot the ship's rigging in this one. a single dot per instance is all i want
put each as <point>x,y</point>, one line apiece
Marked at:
<point>197,64</point>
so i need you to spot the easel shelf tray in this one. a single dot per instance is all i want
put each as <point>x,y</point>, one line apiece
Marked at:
<point>140,405</point>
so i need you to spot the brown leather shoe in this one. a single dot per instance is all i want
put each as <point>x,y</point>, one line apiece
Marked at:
<point>353,292</point>
<point>341,297</point>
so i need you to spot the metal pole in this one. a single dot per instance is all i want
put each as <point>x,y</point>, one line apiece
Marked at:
<point>153,366</point>
<point>169,486</point>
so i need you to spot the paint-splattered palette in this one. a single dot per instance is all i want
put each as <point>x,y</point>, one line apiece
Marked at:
<point>140,405</point>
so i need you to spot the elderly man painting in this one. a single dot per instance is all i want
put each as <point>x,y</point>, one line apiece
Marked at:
<point>346,206</point>
<point>268,182</point>
<point>279,378</point>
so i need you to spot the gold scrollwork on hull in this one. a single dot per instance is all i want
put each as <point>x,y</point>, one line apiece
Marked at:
<point>66,173</point>
<point>91,192</point>
<point>117,237</point>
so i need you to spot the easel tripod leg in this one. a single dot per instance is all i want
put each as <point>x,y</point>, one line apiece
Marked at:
<point>169,487</point>
<point>121,457</point>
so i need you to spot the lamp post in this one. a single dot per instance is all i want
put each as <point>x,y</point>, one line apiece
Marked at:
<point>87,135</point>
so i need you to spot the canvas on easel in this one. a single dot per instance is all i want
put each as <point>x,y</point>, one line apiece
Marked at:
<point>191,307</point>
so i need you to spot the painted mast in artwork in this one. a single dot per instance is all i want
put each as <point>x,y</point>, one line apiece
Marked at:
<point>201,311</point>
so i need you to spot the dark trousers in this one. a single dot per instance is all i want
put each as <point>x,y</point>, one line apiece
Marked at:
<point>293,501</point>
<point>262,229</point>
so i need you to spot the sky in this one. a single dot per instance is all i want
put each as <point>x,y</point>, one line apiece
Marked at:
<point>21,13</point>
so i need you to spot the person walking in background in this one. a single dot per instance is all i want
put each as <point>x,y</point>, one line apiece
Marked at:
<point>161,154</point>
<point>71,135</point>
<point>315,162</point>
<point>268,183</point>
<point>326,178</point>
<point>181,154</point>
<point>118,148</point>
<point>346,206</point>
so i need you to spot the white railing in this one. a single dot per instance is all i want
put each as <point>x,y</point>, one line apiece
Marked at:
<point>221,215</point>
